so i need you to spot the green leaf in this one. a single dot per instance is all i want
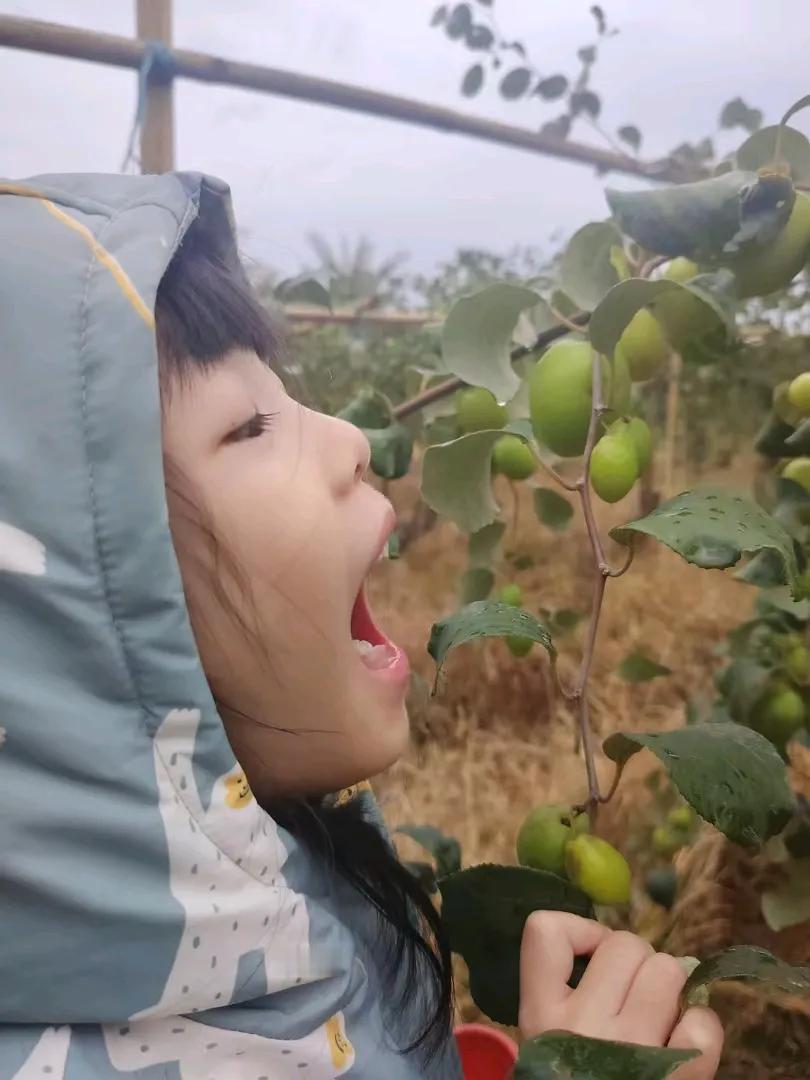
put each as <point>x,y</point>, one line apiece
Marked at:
<point>446,850</point>
<point>736,113</point>
<point>552,509</point>
<point>476,584</point>
<point>482,545</point>
<point>732,777</point>
<point>473,80</point>
<point>742,684</point>
<point>713,529</point>
<point>391,450</point>
<point>515,83</point>
<point>477,337</point>
<point>585,101</point>
<point>485,618</point>
<point>706,219</point>
<point>480,38</point>
<point>747,963</point>
<point>459,23</point>
<point>788,903</point>
<point>563,621</point>
<point>439,15</point>
<point>631,135</point>
<point>484,910</point>
<point>457,480</point>
<point>758,152</point>
<point>303,290</point>
<point>770,441</point>
<point>798,444</point>
<point>618,307</point>
<point>368,409</point>
<point>559,1055</point>
<point>638,668</point>
<point>586,268</point>
<point>552,88</point>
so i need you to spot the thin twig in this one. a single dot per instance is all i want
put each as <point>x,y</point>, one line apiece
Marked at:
<point>628,562</point>
<point>449,386</point>
<point>569,485</point>
<point>616,778</point>
<point>515,510</point>
<point>565,321</point>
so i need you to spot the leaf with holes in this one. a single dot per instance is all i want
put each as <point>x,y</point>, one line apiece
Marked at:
<point>713,529</point>
<point>485,618</point>
<point>446,850</point>
<point>747,963</point>
<point>473,80</point>
<point>706,219</point>
<point>638,668</point>
<point>559,1055</point>
<point>587,272</point>
<point>477,337</point>
<point>515,83</point>
<point>484,910</point>
<point>729,774</point>
<point>712,313</point>
<point>552,509</point>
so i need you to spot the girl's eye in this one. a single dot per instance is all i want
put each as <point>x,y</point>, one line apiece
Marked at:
<point>256,426</point>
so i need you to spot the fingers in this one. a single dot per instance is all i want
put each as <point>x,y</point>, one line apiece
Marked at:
<point>610,974</point>
<point>652,1005</point>
<point>698,1029</point>
<point>551,940</point>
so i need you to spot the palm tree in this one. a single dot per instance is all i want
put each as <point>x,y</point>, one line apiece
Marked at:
<point>354,279</point>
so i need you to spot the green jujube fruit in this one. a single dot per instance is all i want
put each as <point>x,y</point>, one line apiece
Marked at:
<point>643,346</point>
<point>596,867</point>
<point>614,466</point>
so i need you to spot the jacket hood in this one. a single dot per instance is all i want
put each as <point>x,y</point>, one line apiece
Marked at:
<point>154,919</point>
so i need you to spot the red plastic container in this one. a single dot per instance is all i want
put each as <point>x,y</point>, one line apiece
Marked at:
<point>486,1053</point>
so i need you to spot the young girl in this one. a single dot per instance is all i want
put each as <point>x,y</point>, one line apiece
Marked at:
<point>183,549</point>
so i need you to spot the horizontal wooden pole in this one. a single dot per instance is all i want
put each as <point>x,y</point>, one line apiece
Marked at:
<point>37,36</point>
<point>295,313</point>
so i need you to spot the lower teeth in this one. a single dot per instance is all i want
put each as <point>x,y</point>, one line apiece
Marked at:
<point>375,657</point>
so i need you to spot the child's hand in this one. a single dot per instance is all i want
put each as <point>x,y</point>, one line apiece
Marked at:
<point>629,992</point>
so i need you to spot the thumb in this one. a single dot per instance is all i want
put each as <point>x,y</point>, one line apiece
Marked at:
<point>698,1029</point>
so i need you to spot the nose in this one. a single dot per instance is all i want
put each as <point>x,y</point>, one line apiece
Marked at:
<point>349,453</point>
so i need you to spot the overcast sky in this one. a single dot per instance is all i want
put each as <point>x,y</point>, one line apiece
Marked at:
<point>295,167</point>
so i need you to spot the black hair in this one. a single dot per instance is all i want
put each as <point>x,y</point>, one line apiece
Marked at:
<point>205,307</point>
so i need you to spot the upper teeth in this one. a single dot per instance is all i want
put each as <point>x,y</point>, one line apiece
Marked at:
<point>362,646</point>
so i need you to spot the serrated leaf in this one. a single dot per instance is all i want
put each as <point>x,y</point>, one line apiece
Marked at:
<point>552,87</point>
<point>707,219</point>
<point>638,668</point>
<point>473,80</point>
<point>788,903</point>
<point>476,584</point>
<point>457,480</point>
<point>552,509</point>
<point>747,963</point>
<point>617,308</point>
<point>484,910</point>
<point>477,337</point>
<point>586,271</point>
<point>303,290</point>
<point>483,544</point>
<point>559,1055</point>
<point>729,774</point>
<point>758,151</point>
<point>515,83</point>
<point>484,618</point>
<point>446,850</point>
<point>630,134</point>
<point>713,529</point>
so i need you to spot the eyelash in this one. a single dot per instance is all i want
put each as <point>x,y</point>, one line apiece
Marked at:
<point>256,426</point>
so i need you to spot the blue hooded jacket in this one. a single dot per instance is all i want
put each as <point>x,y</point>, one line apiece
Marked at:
<point>154,921</point>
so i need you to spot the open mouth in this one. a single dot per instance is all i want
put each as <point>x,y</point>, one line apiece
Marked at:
<point>376,651</point>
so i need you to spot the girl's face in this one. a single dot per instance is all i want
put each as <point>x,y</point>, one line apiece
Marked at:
<point>277,600</point>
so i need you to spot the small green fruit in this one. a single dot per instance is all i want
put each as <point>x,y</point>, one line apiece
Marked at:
<point>779,715</point>
<point>763,270</point>
<point>519,646</point>
<point>681,817</point>
<point>639,432</point>
<point>799,393</point>
<point>798,470</point>
<point>662,886</point>
<point>512,594</point>
<point>544,834</point>
<point>596,867</point>
<point>560,388</point>
<point>666,842</point>
<point>797,665</point>
<point>643,346</point>
<point>513,458</point>
<point>614,466</point>
<point>477,410</point>
<point>681,270</point>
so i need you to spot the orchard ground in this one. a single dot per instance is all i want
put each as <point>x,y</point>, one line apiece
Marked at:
<point>497,741</point>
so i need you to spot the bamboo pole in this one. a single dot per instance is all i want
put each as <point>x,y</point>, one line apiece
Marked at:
<point>57,40</point>
<point>154,23</point>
